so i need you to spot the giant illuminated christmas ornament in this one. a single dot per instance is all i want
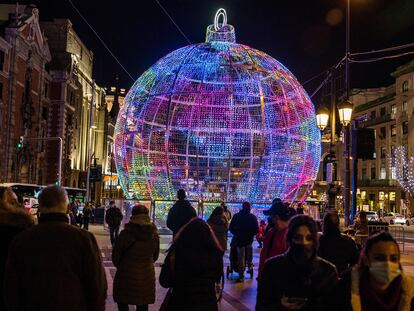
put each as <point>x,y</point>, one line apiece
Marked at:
<point>220,120</point>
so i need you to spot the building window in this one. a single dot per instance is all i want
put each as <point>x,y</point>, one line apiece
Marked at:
<point>46,90</point>
<point>383,152</point>
<point>404,87</point>
<point>393,173</point>
<point>363,195</point>
<point>373,175</point>
<point>405,127</point>
<point>364,173</point>
<point>383,111</point>
<point>404,106</point>
<point>394,109</point>
<point>383,174</point>
<point>383,133</point>
<point>373,114</point>
<point>393,130</point>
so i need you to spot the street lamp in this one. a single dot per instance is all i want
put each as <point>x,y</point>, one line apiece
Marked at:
<point>322,117</point>
<point>345,112</point>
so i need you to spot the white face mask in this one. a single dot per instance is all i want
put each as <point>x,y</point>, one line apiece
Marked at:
<point>384,272</point>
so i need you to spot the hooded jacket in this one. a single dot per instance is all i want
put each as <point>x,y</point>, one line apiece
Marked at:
<point>220,225</point>
<point>134,254</point>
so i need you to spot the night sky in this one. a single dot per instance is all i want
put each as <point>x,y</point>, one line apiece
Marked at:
<point>307,36</point>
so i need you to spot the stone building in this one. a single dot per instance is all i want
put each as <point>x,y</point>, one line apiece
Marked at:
<point>390,111</point>
<point>70,105</point>
<point>24,81</point>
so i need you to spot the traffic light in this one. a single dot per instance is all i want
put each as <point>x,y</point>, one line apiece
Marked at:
<point>20,143</point>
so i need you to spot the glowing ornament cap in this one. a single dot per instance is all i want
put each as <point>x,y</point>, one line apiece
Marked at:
<point>220,31</point>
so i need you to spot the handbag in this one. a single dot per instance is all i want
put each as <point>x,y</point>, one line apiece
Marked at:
<point>168,270</point>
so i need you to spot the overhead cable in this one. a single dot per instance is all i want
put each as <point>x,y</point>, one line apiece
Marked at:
<point>101,40</point>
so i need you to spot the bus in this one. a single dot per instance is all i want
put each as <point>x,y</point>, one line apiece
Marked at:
<point>30,193</point>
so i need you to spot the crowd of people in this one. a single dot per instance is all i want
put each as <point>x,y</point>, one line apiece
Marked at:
<point>57,265</point>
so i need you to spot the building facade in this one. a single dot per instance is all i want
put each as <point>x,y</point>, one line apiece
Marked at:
<point>72,102</point>
<point>390,111</point>
<point>24,79</point>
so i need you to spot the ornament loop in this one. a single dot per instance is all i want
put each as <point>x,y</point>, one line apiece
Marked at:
<point>220,12</point>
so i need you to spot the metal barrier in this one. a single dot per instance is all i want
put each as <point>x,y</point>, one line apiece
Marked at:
<point>397,231</point>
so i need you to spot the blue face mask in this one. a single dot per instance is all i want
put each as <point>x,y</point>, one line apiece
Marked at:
<point>384,272</point>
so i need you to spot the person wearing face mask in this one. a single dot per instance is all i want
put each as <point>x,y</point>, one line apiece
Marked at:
<point>297,279</point>
<point>378,282</point>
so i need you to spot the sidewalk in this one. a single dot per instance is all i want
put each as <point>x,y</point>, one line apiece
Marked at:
<point>236,296</point>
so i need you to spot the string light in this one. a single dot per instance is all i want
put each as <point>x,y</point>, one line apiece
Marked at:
<point>220,120</point>
<point>403,166</point>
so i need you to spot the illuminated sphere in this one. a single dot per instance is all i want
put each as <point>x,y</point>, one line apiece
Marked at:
<point>222,121</point>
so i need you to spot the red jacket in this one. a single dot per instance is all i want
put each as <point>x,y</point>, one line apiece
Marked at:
<point>274,244</point>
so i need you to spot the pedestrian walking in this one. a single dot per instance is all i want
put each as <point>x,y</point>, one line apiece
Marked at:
<point>378,281</point>
<point>335,247</point>
<point>260,235</point>
<point>297,279</point>
<point>180,213</point>
<point>134,254</point>
<point>244,228</point>
<point>193,265</point>
<point>87,215</point>
<point>274,242</point>
<point>13,220</point>
<point>220,225</point>
<point>54,266</point>
<point>113,218</point>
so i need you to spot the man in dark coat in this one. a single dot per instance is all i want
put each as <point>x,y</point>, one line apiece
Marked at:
<point>244,227</point>
<point>181,213</point>
<point>113,218</point>
<point>54,266</point>
<point>13,220</point>
<point>335,247</point>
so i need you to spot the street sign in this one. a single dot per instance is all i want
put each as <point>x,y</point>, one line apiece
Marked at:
<point>96,173</point>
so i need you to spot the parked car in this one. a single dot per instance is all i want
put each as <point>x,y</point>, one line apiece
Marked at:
<point>372,216</point>
<point>395,218</point>
<point>409,221</point>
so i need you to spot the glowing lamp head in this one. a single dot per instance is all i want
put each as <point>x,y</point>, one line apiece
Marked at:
<point>220,120</point>
<point>322,117</point>
<point>345,112</point>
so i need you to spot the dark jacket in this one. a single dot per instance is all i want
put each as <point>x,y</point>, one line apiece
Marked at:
<point>12,222</point>
<point>113,216</point>
<point>347,294</point>
<point>198,265</point>
<point>55,266</point>
<point>220,225</point>
<point>339,249</point>
<point>134,254</point>
<point>180,213</point>
<point>244,228</point>
<point>282,277</point>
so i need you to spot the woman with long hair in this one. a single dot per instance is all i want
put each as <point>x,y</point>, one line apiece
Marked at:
<point>378,281</point>
<point>192,267</point>
<point>220,225</point>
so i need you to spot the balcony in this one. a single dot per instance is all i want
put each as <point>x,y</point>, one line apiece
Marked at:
<point>375,121</point>
<point>377,183</point>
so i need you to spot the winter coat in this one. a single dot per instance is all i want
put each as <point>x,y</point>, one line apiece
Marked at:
<point>134,254</point>
<point>274,244</point>
<point>220,226</point>
<point>113,217</point>
<point>347,292</point>
<point>197,266</point>
<point>55,266</point>
<point>339,249</point>
<point>244,227</point>
<point>180,213</point>
<point>12,222</point>
<point>281,276</point>
<point>87,214</point>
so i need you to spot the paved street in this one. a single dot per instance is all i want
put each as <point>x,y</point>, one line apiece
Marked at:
<point>236,296</point>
